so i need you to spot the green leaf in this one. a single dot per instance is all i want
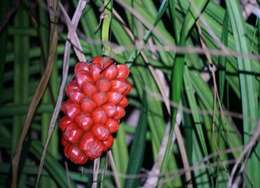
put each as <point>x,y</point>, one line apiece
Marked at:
<point>120,153</point>
<point>52,166</point>
<point>178,69</point>
<point>222,60</point>
<point>138,148</point>
<point>247,85</point>
<point>90,27</point>
<point>21,64</point>
<point>177,72</point>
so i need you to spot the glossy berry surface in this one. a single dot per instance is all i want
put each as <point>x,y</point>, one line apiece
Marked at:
<point>96,103</point>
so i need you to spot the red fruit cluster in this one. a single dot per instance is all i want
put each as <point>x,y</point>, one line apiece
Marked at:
<point>95,105</point>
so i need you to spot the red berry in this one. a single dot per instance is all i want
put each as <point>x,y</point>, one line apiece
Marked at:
<point>110,109</point>
<point>123,71</point>
<point>100,98</point>
<point>123,103</point>
<point>103,85</point>
<point>91,147</point>
<point>76,96</point>
<point>80,158</point>
<point>84,121</point>
<point>72,86</point>
<point>112,125</point>
<point>88,105</point>
<point>101,132</point>
<point>102,62</point>
<point>73,91</point>
<point>70,109</point>
<point>120,112</point>
<point>64,123</point>
<point>97,60</point>
<point>95,72</point>
<point>82,66</point>
<point>89,89</point>
<point>83,77</point>
<point>75,154</point>
<point>129,88</point>
<point>97,98</point>
<point>110,72</point>
<point>99,116</point>
<point>72,133</point>
<point>108,143</point>
<point>119,86</point>
<point>114,97</point>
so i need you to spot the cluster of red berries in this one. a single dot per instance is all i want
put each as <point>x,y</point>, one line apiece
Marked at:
<point>95,105</point>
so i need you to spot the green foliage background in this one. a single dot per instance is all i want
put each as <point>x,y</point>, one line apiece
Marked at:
<point>191,60</point>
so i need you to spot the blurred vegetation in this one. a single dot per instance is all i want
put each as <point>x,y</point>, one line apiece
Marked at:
<point>196,80</point>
